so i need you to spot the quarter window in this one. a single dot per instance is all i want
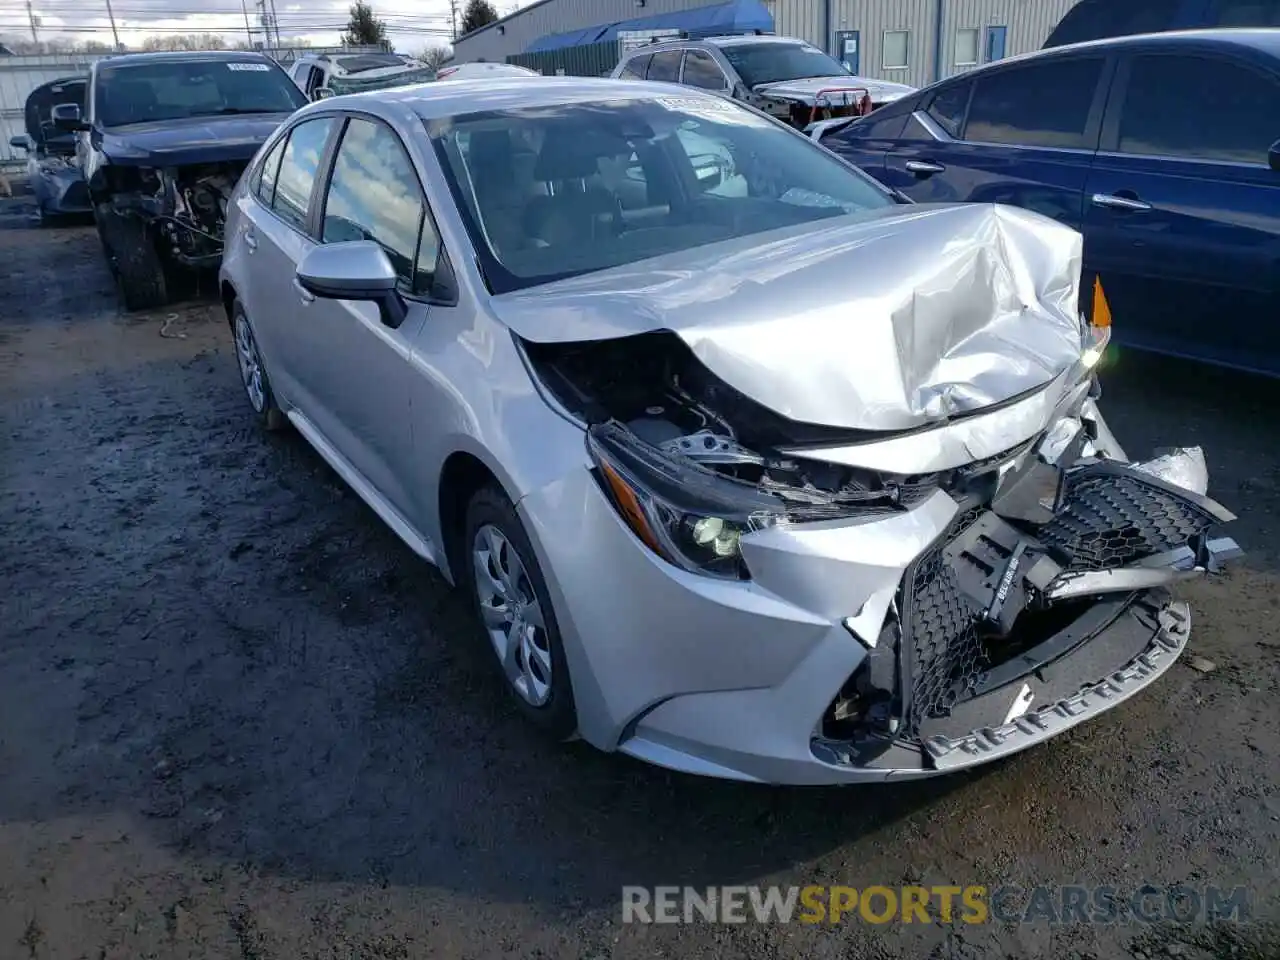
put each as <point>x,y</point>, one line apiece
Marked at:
<point>374,194</point>
<point>265,182</point>
<point>1038,105</point>
<point>948,106</point>
<point>665,66</point>
<point>701,70</point>
<point>635,68</point>
<point>1155,120</point>
<point>298,170</point>
<point>894,54</point>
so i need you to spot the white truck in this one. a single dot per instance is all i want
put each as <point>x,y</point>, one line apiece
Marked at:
<point>333,74</point>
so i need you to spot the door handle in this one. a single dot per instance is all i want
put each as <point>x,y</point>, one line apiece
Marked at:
<point>250,241</point>
<point>924,168</point>
<point>1113,202</point>
<point>306,295</point>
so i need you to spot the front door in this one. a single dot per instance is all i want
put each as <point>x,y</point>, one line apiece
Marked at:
<point>1183,221</point>
<point>361,367</point>
<point>1023,135</point>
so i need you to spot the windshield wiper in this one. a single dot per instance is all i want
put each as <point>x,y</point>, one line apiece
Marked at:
<point>227,111</point>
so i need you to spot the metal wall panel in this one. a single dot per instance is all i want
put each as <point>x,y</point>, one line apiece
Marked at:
<point>512,35</point>
<point>799,18</point>
<point>873,18</point>
<point>1029,23</point>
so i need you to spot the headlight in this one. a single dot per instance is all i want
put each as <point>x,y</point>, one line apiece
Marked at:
<point>686,514</point>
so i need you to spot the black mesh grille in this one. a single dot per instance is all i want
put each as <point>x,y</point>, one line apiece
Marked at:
<point>1109,520</point>
<point>940,633</point>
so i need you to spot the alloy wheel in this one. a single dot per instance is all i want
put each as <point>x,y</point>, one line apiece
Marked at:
<point>512,615</point>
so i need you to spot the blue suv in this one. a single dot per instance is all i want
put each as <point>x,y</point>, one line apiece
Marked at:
<point>1162,149</point>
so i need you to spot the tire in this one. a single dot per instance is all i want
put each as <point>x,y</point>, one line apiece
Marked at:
<point>543,692</point>
<point>136,264</point>
<point>253,373</point>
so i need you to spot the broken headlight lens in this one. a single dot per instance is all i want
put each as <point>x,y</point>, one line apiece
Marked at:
<point>686,514</point>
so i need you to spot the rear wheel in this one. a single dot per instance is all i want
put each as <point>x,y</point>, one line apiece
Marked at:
<point>253,375</point>
<point>134,260</point>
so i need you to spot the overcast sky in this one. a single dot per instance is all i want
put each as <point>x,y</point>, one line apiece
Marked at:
<point>413,24</point>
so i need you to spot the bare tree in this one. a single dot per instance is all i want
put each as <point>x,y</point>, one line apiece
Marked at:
<point>185,41</point>
<point>434,57</point>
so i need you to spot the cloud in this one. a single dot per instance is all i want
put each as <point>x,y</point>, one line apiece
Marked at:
<point>412,24</point>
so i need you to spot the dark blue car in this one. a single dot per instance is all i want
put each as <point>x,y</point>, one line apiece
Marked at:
<point>1160,148</point>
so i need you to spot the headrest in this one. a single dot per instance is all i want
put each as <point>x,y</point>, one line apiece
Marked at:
<point>570,154</point>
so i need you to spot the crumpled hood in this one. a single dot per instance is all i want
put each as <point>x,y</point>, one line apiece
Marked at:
<point>38,113</point>
<point>881,91</point>
<point>172,143</point>
<point>881,321</point>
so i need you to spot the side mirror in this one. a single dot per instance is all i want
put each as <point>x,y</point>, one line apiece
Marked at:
<point>66,117</point>
<point>22,142</point>
<point>354,270</point>
<point>1273,156</point>
<point>321,93</point>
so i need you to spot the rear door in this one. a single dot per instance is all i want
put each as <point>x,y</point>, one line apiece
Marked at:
<point>1183,221</point>
<point>275,239</point>
<point>1024,134</point>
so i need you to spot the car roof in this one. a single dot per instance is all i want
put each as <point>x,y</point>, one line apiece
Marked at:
<point>728,40</point>
<point>452,98</point>
<point>216,56</point>
<point>1261,39</point>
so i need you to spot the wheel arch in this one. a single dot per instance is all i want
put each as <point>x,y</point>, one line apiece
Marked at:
<point>462,475</point>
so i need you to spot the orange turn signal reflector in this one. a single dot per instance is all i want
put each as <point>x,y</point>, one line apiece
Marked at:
<point>630,507</point>
<point>1101,310</point>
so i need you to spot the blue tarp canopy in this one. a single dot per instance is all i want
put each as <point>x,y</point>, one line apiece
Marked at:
<point>737,16</point>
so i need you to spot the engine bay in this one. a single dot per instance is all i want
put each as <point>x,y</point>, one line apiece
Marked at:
<point>651,386</point>
<point>200,196</point>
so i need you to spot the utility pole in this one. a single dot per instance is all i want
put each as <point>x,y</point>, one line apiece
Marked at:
<point>115,35</point>
<point>248,30</point>
<point>453,19</point>
<point>275,22</point>
<point>35,22</point>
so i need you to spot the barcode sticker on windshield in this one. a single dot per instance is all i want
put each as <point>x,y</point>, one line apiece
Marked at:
<point>259,67</point>
<point>693,104</point>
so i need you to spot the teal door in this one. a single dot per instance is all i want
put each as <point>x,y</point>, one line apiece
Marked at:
<point>848,49</point>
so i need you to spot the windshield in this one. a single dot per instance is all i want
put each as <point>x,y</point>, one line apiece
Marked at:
<point>173,89</point>
<point>341,85</point>
<point>760,63</point>
<point>557,191</point>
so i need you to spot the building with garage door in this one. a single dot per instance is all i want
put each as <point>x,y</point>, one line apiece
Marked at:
<point>910,41</point>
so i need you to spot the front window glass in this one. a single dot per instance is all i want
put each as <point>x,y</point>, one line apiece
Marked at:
<point>760,63</point>
<point>158,90</point>
<point>557,191</point>
<point>374,195</point>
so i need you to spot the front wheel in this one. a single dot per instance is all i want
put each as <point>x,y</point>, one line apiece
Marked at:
<point>515,611</point>
<point>135,262</point>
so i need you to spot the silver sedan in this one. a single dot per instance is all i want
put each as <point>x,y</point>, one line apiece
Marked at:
<point>748,468</point>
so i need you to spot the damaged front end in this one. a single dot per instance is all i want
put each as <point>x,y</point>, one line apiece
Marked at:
<point>184,208</point>
<point>1043,599</point>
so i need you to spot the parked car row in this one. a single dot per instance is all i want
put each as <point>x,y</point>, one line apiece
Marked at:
<point>1162,149</point>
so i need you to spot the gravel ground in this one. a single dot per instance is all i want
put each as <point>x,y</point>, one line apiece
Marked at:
<point>238,719</point>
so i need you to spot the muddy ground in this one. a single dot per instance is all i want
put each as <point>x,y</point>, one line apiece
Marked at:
<point>238,719</point>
